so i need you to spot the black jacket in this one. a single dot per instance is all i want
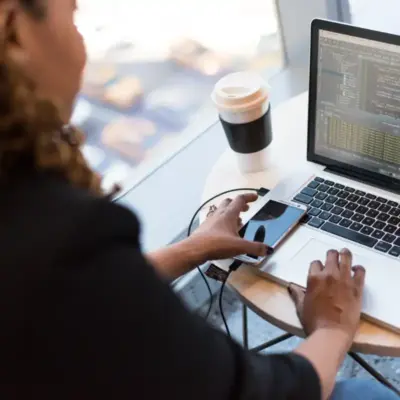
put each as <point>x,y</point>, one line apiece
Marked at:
<point>83,316</point>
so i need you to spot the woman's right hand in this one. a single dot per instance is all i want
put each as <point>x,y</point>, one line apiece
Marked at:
<point>333,296</point>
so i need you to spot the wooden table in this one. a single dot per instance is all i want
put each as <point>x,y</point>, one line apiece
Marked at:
<point>267,299</point>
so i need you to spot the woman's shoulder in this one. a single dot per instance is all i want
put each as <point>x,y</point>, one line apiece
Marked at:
<point>47,213</point>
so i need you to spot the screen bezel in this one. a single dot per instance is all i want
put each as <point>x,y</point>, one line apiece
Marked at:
<point>387,182</point>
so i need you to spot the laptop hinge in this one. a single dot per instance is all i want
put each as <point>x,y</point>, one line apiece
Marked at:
<point>395,188</point>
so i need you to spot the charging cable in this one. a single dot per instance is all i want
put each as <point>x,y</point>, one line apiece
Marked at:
<point>235,265</point>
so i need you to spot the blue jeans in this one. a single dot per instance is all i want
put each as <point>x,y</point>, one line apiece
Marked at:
<point>358,389</point>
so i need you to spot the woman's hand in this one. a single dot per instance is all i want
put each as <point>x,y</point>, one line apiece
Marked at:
<point>218,235</point>
<point>333,296</point>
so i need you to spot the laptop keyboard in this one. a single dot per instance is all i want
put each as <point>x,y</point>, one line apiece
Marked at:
<point>352,214</point>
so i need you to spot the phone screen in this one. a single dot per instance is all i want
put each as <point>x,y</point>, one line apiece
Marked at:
<point>271,223</point>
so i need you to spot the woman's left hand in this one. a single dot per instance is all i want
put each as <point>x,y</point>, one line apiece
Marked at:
<point>219,233</point>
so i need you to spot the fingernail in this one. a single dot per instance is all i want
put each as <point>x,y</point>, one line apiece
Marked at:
<point>270,251</point>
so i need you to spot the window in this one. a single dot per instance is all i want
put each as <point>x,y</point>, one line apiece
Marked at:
<point>152,65</point>
<point>382,15</point>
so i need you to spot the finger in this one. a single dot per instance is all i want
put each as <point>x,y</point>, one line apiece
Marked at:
<point>240,203</point>
<point>211,211</point>
<point>297,294</point>
<point>254,248</point>
<point>224,204</point>
<point>332,263</point>
<point>316,268</point>
<point>359,277</point>
<point>345,262</point>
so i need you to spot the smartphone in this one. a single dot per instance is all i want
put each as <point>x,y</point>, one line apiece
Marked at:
<point>271,225</point>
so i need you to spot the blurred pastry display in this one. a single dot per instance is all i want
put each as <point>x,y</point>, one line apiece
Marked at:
<point>124,93</point>
<point>211,63</point>
<point>82,112</point>
<point>96,77</point>
<point>126,136</point>
<point>93,155</point>
<point>173,97</point>
<point>186,52</point>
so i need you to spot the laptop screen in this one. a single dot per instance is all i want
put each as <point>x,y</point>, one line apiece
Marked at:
<point>358,103</point>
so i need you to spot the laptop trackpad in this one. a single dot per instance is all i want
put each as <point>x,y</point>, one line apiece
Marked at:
<point>378,298</point>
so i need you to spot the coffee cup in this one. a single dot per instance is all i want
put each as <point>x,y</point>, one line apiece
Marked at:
<point>242,100</point>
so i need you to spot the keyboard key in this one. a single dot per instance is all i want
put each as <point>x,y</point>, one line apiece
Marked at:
<point>367,230</point>
<point>337,210</point>
<point>318,179</point>
<point>384,208</point>
<point>323,188</point>
<point>383,217</point>
<point>395,251</point>
<point>357,217</point>
<point>370,196</point>
<point>335,219</point>
<point>393,203</point>
<point>394,220</point>
<point>314,212</point>
<point>397,242</point>
<point>352,206</point>
<point>355,226</point>
<point>372,213</point>
<point>317,203</point>
<point>315,222</point>
<point>397,232</point>
<point>347,214</point>
<point>341,203</point>
<point>325,216</point>
<point>345,222</point>
<point>368,221</point>
<point>360,193</point>
<point>389,238</point>
<point>378,234</point>
<point>374,204</point>
<point>329,183</point>
<point>302,198</point>
<point>381,200</point>
<point>390,229</point>
<point>379,225</point>
<point>333,191</point>
<point>313,185</point>
<point>321,196</point>
<point>309,192</point>
<point>363,201</point>
<point>395,212</point>
<point>305,219</point>
<point>353,198</point>
<point>327,207</point>
<point>339,186</point>
<point>342,194</point>
<point>331,199</point>
<point>349,189</point>
<point>349,234</point>
<point>383,247</point>
<point>362,210</point>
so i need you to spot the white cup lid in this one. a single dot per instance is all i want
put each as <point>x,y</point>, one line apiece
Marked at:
<point>240,92</point>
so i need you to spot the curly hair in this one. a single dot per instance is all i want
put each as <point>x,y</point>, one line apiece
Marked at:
<point>32,133</point>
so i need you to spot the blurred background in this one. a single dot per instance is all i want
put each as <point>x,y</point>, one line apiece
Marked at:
<point>152,66</point>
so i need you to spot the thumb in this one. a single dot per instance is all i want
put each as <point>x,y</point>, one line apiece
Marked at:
<point>254,248</point>
<point>297,295</point>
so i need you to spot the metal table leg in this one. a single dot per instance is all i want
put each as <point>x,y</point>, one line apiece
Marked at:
<point>244,327</point>
<point>378,376</point>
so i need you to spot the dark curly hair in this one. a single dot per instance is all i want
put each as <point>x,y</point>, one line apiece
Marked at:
<point>32,133</point>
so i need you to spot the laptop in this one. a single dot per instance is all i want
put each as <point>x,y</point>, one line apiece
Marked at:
<point>354,132</point>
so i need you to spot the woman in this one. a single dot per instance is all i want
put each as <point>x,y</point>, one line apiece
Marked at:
<point>84,313</point>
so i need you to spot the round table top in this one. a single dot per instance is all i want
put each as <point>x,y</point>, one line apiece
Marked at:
<point>269,300</point>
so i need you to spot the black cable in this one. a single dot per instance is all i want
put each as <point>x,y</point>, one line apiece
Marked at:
<point>221,310</point>
<point>260,191</point>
